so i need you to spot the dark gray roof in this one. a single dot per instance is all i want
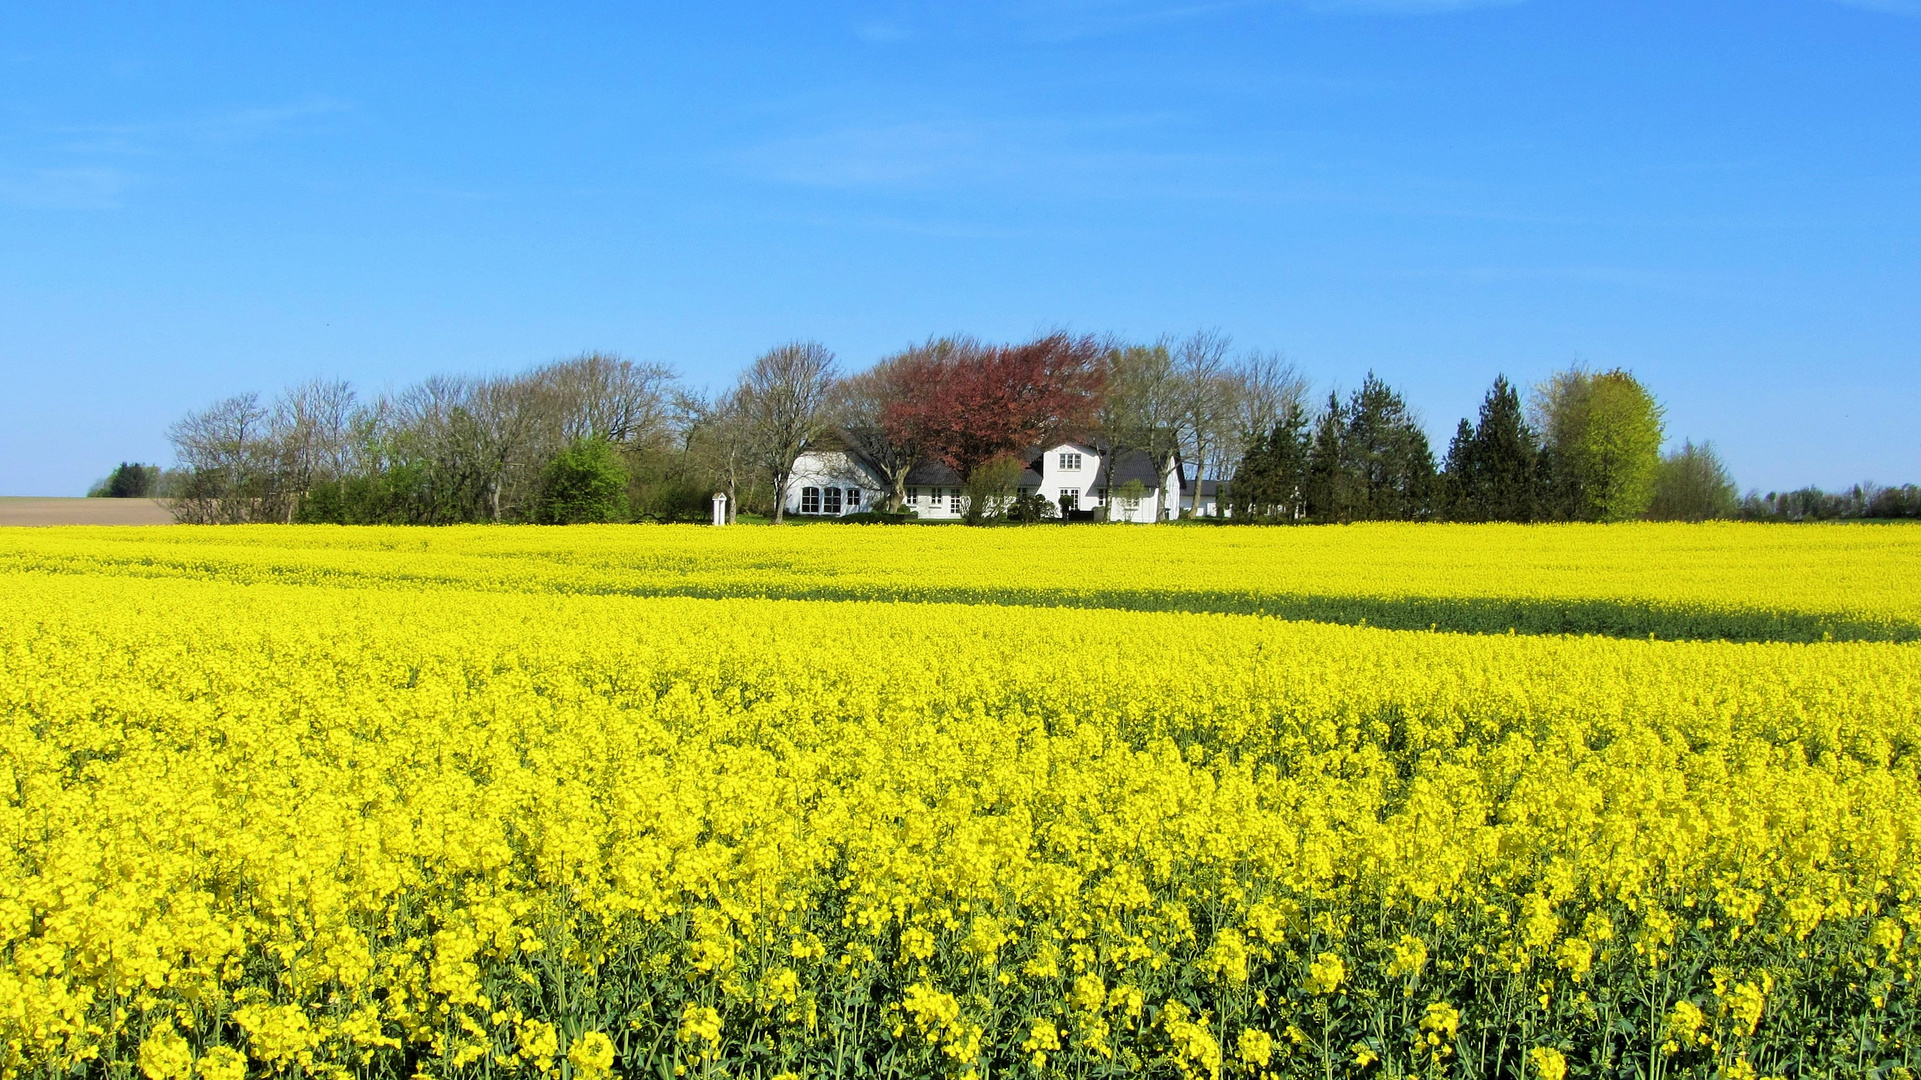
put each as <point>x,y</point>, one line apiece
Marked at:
<point>1132,465</point>
<point>935,474</point>
<point>932,473</point>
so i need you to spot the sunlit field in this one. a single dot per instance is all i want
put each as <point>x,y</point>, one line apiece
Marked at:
<point>1563,801</point>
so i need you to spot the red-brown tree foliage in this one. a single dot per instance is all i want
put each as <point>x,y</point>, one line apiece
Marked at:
<point>971,404</point>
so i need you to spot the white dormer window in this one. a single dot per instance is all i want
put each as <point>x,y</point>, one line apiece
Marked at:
<point>1070,461</point>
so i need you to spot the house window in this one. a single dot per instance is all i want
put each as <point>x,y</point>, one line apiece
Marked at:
<point>810,500</point>
<point>1070,500</point>
<point>853,498</point>
<point>913,496</point>
<point>1070,461</point>
<point>954,500</point>
<point>833,501</point>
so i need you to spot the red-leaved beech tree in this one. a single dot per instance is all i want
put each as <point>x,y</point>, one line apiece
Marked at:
<point>967,404</point>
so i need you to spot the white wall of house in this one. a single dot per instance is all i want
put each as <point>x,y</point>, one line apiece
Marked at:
<point>1071,468</point>
<point>832,483</point>
<point>1202,505</point>
<point>1067,468</point>
<point>941,503</point>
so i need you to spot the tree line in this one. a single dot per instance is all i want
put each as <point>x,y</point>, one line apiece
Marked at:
<point>1586,447</point>
<point>1860,502</point>
<point>601,438</point>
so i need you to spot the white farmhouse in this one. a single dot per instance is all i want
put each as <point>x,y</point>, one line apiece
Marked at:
<point>833,483</point>
<point>1071,475</point>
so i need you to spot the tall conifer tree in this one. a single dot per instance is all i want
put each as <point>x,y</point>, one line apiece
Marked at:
<point>1326,490</point>
<point>1270,482</point>
<point>1386,454</point>
<point>1506,471</point>
<point>1459,489</point>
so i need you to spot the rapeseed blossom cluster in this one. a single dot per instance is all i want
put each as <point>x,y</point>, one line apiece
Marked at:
<point>292,802</point>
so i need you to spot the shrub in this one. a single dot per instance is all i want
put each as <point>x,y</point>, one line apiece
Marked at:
<point>586,484</point>
<point>128,480</point>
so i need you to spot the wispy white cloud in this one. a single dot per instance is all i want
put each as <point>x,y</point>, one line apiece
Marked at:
<point>926,153</point>
<point>78,173</point>
<point>227,126</point>
<point>882,32</point>
<point>1403,7</point>
<point>1892,7</point>
<point>1076,18</point>
<point>1619,276</point>
<point>64,189</point>
<point>873,154</point>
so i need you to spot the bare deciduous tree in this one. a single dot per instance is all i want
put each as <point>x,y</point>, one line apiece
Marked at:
<point>784,398</point>
<point>225,454</point>
<point>1142,410</point>
<point>1267,390</point>
<point>1206,407</point>
<point>509,415</point>
<point>598,396</point>
<point>308,431</point>
<point>715,434</point>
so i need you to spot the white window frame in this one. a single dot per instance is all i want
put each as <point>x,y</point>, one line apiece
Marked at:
<point>1070,501</point>
<point>1069,461</point>
<point>954,501</point>
<point>830,503</point>
<point>810,500</point>
<point>853,498</point>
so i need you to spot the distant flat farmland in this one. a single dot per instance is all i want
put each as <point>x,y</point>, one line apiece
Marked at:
<point>39,511</point>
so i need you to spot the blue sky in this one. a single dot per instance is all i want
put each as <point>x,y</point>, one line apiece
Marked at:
<point>1724,197</point>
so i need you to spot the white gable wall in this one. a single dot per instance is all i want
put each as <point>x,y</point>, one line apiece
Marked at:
<point>855,488</point>
<point>1069,468</point>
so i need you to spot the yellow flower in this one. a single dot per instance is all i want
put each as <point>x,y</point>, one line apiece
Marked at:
<point>1042,1039</point>
<point>1324,975</point>
<point>592,1055</point>
<point>222,1063</point>
<point>1410,957</point>
<point>165,1055</point>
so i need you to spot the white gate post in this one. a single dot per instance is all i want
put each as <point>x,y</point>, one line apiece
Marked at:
<point>720,508</point>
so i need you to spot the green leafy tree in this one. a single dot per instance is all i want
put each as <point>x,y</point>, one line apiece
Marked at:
<point>1604,435</point>
<point>586,483</point>
<point>1620,449</point>
<point>1693,485</point>
<point>991,489</point>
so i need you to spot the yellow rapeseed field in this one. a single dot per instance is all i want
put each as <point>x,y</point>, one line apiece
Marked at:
<point>835,801</point>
